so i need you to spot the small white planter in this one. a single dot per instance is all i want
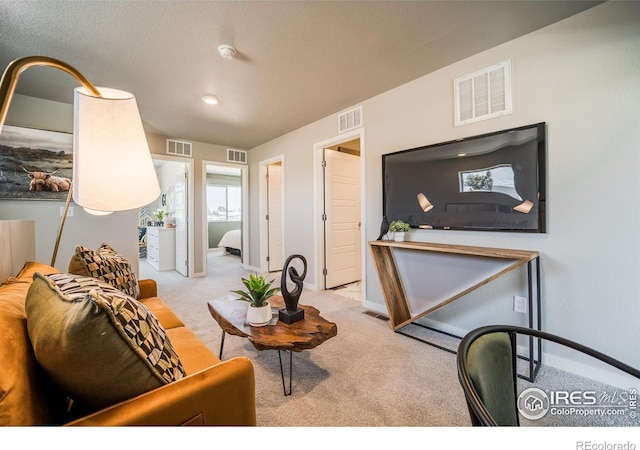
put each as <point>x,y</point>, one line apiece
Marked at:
<point>259,316</point>
<point>398,236</point>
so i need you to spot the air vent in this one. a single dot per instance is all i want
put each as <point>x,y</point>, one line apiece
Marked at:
<point>350,119</point>
<point>483,95</point>
<point>236,156</point>
<point>178,148</point>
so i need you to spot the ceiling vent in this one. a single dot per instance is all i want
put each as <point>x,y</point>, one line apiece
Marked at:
<point>178,148</point>
<point>483,95</point>
<point>350,119</point>
<point>236,156</point>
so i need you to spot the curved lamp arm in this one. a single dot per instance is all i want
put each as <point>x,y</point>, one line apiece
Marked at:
<point>8,87</point>
<point>15,68</point>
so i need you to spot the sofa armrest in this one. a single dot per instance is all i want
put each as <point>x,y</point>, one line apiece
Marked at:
<point>148,288</point>
<point>223,394</point>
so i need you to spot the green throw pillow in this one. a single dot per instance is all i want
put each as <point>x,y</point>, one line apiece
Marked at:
<point>98,344</point>
<point>107,265</point>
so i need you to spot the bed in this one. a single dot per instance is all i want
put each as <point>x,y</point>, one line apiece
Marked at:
<point>231,242</point>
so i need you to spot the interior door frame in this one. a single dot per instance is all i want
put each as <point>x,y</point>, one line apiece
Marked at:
<point>190,205</point>
<point>244,176</point>
<point>264,231</point>
<point>318,205</point>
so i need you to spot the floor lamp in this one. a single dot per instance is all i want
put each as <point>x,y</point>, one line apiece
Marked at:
<point>112,165</point>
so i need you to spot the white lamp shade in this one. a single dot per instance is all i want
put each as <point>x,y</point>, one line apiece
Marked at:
<point>425,204</point>
<point>112,165</point>
<point>18,244</point>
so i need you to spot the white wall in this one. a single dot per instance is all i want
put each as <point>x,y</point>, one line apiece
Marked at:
<point>201,152</point>
<point>119,230</point>
<point>581,77</point>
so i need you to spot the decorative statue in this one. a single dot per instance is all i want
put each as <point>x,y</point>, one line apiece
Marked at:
<point>384,228</point>
<point>292,313</point>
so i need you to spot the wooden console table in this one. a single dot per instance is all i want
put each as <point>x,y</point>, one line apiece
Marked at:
<point>485,264</point>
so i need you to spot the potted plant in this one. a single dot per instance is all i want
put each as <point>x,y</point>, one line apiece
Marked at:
<point>258,292</point>
<point>159,213</point>
<point>399,228</point>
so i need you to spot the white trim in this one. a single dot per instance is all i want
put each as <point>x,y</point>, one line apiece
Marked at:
<point>262,193</point>
<point>318,235</point>
<point>244,170</point>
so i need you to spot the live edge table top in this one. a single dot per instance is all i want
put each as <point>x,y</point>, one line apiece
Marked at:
<point>305,334</point>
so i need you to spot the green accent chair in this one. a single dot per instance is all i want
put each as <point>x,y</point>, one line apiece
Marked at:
<point>487,371</point>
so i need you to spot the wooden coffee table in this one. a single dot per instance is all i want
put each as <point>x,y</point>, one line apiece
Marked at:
<point>313,330</point>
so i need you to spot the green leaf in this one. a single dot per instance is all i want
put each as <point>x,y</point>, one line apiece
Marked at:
<point>258,290</point>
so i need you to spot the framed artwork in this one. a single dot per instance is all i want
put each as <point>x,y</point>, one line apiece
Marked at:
<point>35,164</point>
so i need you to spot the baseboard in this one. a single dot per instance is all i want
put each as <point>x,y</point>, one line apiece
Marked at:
<point>610,376</point>
<point>375,307</point>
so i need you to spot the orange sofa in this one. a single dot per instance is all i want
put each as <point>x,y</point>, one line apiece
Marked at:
<point>213,392</point>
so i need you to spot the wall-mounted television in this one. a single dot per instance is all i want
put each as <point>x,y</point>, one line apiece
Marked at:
<point>491,182</point>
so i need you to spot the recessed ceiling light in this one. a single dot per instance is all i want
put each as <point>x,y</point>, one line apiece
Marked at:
<point>210,99</point>
<point>227,51</point>
<point>462,154</point>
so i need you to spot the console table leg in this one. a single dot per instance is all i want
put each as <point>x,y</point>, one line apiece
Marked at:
<point>290,372</point>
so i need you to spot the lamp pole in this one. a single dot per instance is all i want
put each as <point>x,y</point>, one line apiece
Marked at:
<point>7,88</point>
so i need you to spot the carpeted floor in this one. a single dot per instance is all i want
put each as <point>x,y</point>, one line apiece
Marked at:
<point>365,376</point>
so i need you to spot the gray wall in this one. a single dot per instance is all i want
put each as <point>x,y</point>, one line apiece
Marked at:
<point>119,229</point>
<point>580,76</point>
<point>218,229</point>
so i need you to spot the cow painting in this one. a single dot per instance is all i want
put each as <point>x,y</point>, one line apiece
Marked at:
<point>43,181</point>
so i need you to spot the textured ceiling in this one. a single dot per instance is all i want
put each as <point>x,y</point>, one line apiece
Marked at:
<point>298,61</point>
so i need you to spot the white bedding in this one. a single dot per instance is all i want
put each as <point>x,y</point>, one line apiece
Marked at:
<point>231,239</point>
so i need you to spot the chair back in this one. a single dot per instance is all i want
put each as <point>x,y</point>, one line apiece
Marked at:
<point>487,370</point>
<point>489,374</point>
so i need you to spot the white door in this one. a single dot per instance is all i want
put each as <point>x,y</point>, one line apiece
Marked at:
<point>274,217</point>
<point>180,213</point>
<point>342,218</point>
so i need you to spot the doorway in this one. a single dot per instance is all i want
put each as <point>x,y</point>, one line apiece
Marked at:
<point>272,214</point>
<point>341,214</point>
<point>339,211</point>
<point>225,200</point>
<point>175,248</point>
<point>275,255</point>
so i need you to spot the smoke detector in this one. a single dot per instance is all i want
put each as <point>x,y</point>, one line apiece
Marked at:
<point>227,51</point>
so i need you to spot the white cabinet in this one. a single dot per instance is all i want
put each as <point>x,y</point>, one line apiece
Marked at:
<point>161,248</point>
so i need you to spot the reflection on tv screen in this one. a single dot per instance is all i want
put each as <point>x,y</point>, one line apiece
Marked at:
<point>490,182</point>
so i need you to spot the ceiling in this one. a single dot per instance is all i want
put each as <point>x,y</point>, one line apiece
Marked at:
<point>297,61</point>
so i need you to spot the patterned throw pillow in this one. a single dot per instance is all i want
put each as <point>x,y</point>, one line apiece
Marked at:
<point>107,265</point>
<point>98,344</point>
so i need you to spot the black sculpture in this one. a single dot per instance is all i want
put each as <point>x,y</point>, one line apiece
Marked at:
<point>292,313</point>
<point>384,228</point>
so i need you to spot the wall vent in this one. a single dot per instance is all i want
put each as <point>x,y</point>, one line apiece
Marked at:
<point>178,148</point>
<point>236,156</point>
<point>350,119</point>
<point>484,94</point>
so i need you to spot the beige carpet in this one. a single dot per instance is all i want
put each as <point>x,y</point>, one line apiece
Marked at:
<point>366,376</point>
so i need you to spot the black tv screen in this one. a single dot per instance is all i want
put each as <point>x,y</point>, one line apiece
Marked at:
<point>492,182</point>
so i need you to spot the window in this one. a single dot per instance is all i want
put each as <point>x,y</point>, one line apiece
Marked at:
<point>224,203</point>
